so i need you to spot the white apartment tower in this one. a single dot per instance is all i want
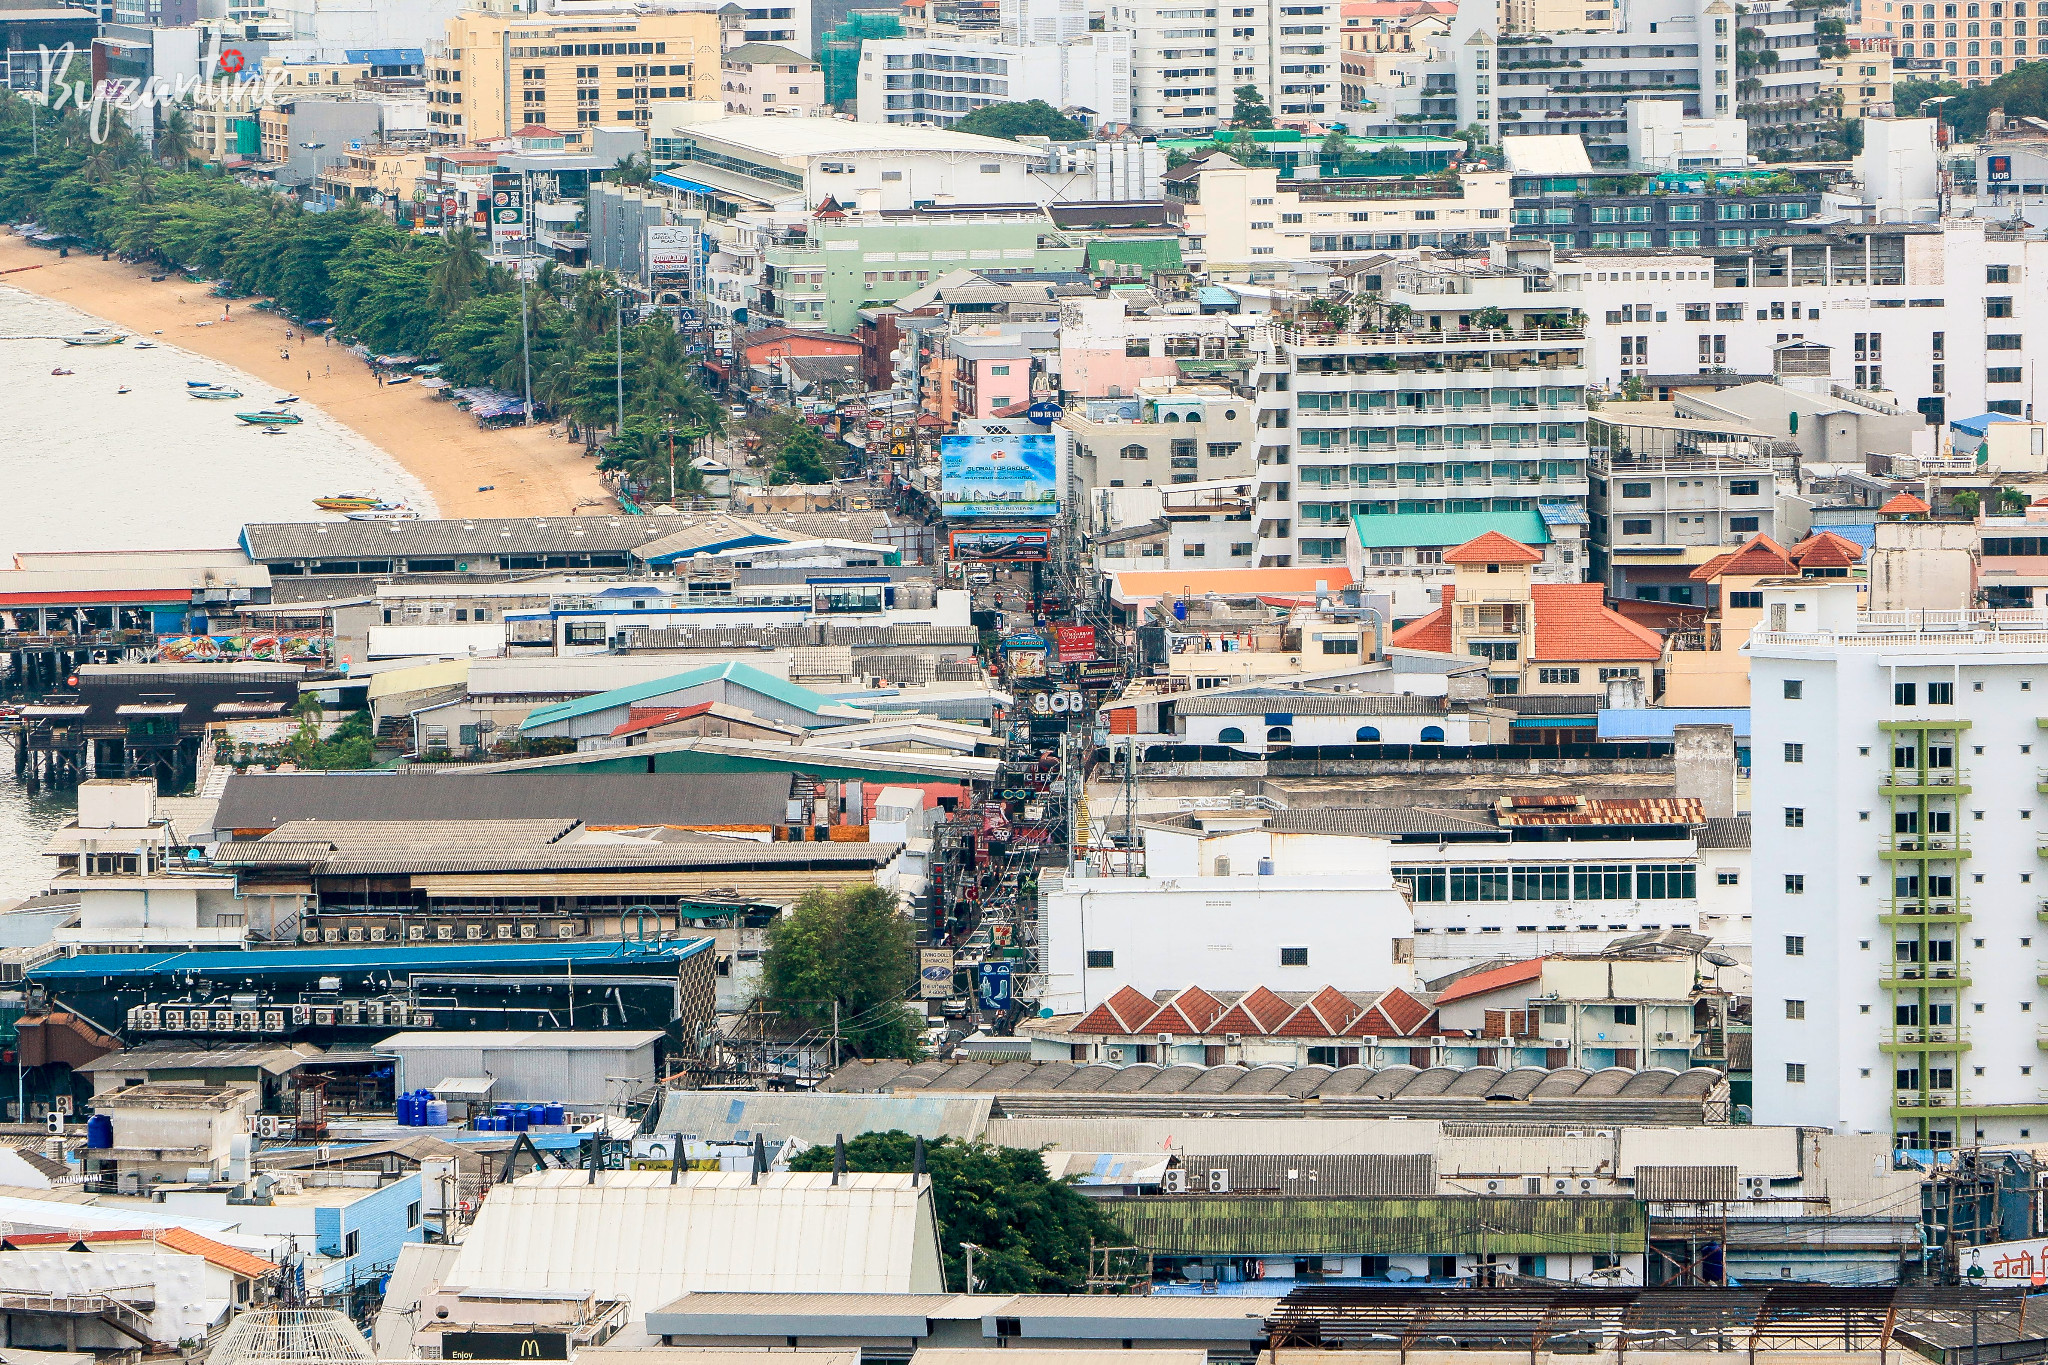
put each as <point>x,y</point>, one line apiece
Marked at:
<point>1475,402</point>
<point>1188,58</point>
<point>1898,985</point>
<point>1025,22</point>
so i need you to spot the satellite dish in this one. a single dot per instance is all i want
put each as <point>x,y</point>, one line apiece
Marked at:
<point>1721,959</point>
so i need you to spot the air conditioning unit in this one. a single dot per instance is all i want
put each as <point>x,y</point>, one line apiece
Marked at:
<point>1116,1054</point>
<point>150,1018</point>
<point>351,1013</point>
<point>1174,1181</point>
<point>1564,1187</point>
<point>55,1121</point>
<point>396,1014</point>
<point>302,1015</point>
<point>1667,1037</point>
<point>415,933</point>
<point>174,1019</point>
<point>1219,1180</point>
<point>1493,1187</point>
<point>1165,1040</point>
<point>373,1013</point>
<point>377,932</point>
<point>1232,1039</point>
<point>324,1017</point>
<point>309,935</point>
<point>224,1021</point>
<point>423,1019</point>
<point>1585,1187</point>
<point>245,1020</point>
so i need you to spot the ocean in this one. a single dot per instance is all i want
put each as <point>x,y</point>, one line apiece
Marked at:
<point>90,468</point>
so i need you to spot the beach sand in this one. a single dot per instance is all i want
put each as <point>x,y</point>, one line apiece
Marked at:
<point>531,472</point>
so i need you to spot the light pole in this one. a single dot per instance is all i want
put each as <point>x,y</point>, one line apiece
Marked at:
<point>619,357</point>
<point>525,344</point>
<point>970,1248</point>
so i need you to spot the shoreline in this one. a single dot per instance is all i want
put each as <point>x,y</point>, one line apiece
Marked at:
<point>528,471</point>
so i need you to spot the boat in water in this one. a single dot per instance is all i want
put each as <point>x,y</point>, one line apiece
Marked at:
<point>96,338</point>
<point>350,502</point>
<point>270,417</point>
<point>212,394</point>
<point>389,512</point>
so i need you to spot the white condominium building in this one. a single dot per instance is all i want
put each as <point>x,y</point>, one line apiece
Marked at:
<point>1896,913</point>
<point>1187,59</point>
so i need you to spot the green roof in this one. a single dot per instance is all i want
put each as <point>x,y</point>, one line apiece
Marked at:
<point>1203,1225</point>
<point>1404,530</point>
<point>1147,253</point>
<point>753,679</point>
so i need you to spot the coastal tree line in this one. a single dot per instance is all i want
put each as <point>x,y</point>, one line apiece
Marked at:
<point>394,291</point>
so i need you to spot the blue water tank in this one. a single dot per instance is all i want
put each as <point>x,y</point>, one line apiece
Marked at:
<point>99,1131</point>
<point>437,1113</point>
<point>552,1115</point>
<point>520,1123</point>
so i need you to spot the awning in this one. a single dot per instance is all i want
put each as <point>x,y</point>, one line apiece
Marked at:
<point>470,1089</point>
<point>1556,723</point>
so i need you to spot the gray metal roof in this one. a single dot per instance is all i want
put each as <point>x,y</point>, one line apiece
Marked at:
<point>802,636</point>
<point>269,800</point>
<point>441,538</point>
<point>400,859</point>
<point>1726,831</point>
<point>1382,820</point>
<point>276,1058</point>
<point>815,1118</point>
<point>1333,1174</point>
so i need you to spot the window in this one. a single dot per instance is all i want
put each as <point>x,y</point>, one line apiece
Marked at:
<point>1557,676</point>
<point>1635,490</point>
<point>2004,374</point>
<point>412,1214</point>
<point>1230,734</point>
<point>1728,876</point>
<point>1941,694</point>
<point>1367,734</point>
<point>1294,957</point>
<point>1753,600</point>
<point>1348,645</point>
<point>1743,525</point>
<point>1998,274</point>
<point>1279,734</point>
<point>1635,528</point>
<point>1795,883</point>
<point>1795,753</point>
<point>1795,1009</point>
<point>1794,689</point>
<point>1795,817</point>
<point>1998,308</point>
<point>1101,957</point>
<point>1795,1073</point>
<point>1432,734</point>
<point>351,1243</point>
<point>1624,1014</point>
<point>1904,694</point>
<point>1137,346</point>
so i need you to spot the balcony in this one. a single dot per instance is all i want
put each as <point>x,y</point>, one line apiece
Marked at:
<point>1933,1038</point>
<point>1930,782</point>
<point>1932,912</point>
<point>1914,976</point>
<point>1906,1103</point>
<point>1924,848</point>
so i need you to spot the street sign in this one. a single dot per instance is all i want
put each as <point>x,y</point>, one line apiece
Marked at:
<point>874,425</point>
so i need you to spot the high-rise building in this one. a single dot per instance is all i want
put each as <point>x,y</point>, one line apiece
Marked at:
<point>1461,390</point>
<point>498,73</point>
<point>1895,916</point>
<point>943,80</point>
<point>1188,59</point>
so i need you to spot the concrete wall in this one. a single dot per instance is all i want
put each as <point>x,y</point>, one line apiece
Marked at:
<point>1924,566</point>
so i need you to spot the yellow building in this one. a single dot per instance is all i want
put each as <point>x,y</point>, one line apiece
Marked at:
<point>569,72</point>
<point>1551,16</point>
<point>1705,665</point>
<point>389,171</point>
<point>297,76</point>
<point>1862,78</point>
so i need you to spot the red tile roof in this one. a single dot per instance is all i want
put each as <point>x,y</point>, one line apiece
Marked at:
<point>1324,1016</point>
<point>1123,1013</point>
<point>1492,979</point>
<point>1905,504</point>
<point>177,1239</point>
<point>1826,550</point>
<point>1189,1012</point>
<point>1493,548</point>
<point>1760,556</point>
<point>1402,1014</point>
<point>1260,1012</point>
<point>1573,625</point>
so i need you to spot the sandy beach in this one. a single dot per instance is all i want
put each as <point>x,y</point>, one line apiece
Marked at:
<point>529,472</point>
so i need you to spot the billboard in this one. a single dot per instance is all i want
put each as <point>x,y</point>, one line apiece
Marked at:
<point>988,475</point>
<point>994,983</point>
<point>508,209</point>
<point>671,253</point>
<point>935,973</point>
<point>1998,170</point>
<point>1075,644</point>
<point>1026,547</point>
<point>2004,1263</point>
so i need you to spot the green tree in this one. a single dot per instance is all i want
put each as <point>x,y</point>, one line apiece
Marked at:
<point>350,746</point>
<point>1033,1231</point>
<point>853,948</point>
<point>802,458</point>
<point>461,272</point>
<point>1965,502</point>
<point>1908,96</point>
<point>1250,109</point>
<point>2012,501</point>
<point>632,169</point>
<point>1336,145</point>
<point>1030,118</point>
<point>174,138</point>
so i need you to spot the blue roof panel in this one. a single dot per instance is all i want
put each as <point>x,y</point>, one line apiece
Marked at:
<point>1656,722</point>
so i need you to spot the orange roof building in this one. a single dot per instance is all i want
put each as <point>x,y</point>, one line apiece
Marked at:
<point>1704,665</point>
<point>1904,505</point>
<point>1558,638</point>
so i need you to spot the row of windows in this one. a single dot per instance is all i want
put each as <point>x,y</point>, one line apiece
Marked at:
<point>1367,734</point>
<point>1583,882</point>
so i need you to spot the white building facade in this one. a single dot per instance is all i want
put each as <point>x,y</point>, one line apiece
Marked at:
<point>942,80</point>
<point>1896,974</point>
<point>1187,59</point>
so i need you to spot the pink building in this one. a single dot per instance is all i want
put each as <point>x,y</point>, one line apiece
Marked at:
<point>763,78</point>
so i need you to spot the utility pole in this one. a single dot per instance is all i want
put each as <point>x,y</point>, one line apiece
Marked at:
<point>619,356</point>
<point>525,345</point>
<point>970,1248</point>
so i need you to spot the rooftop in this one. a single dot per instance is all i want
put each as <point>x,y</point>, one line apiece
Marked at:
<point>808,137</point>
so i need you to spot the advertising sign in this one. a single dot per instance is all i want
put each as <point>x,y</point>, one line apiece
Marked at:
<point>985,547</point>
<point>935,973</point>
<point>999,476</point>
<point>2005,1262</point>
<point>671,252</point>
<point>1998,170</point>
<point>1076,644</point>
<point>1045,412</point>
<point>994,981</point>
<point>508,209</point>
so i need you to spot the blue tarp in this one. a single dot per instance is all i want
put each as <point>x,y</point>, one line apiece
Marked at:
<point>1215,294</point>
<point>386,56</point>
<point>1978,425</point>
<point>1656,722</point>
<point>677,182</point>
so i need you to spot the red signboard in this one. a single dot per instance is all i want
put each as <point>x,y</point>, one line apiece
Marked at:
<point>1076,644</point>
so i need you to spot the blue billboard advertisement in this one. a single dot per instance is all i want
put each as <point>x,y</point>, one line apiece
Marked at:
<point>999,476</point>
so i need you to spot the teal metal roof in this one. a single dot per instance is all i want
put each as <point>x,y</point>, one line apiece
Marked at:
<point>1404,530</point>
<point>752,679</point>
<point>425,957</point>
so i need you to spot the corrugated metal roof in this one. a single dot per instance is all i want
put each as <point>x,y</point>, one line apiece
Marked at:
<point>269,800</point>
<point>276,1058</point>
<point>753,679</point>
<point>1666,1184</point>
<point>1725,831</point>
<point>1327,1174</point>
<point>1657,722</point>
<point>1229,1225</point>
<point>819,1118</point>
<point>562,1040</point>
<point>1309,704</point>
<point>424,958</point>
<point>1381,820</point>
<point>450,537</point>
<point>634,1235</point>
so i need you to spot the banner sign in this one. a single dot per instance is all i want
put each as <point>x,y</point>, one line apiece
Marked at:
<point>935,973</point>
<point>508,209</point>
<point>999,476</point>
<point>987,547</point>
<point>1076,644</point>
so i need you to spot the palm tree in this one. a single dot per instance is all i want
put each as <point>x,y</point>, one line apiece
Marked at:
<point>632,169</point>
<point>174,138</point>
<point>461,271</point>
